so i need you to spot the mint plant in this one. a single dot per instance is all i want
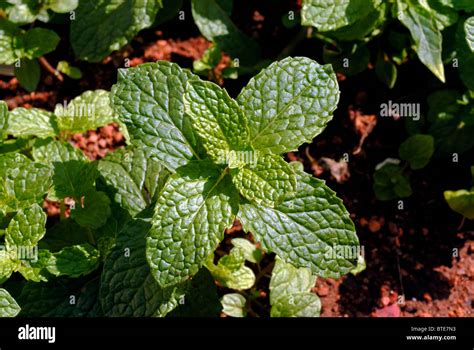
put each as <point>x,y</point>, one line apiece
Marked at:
<point>146,220</point>
<point>209,141</point>
<point>391,180</point>
<point>346,27</point>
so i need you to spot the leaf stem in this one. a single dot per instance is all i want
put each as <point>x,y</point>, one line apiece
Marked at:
<point>50,68</point>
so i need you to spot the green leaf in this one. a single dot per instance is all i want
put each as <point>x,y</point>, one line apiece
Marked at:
<point>349,59</point>
<point>132,178</point>
<point>49,151</point>
<point>231,271</point>
<point>38,42</point>
<point>23,184</point>
<point>26,228</point>
<point>443,13</point>
<point>443,105</point>
<point>469,29</point>
<point>74,261</point>
<point>88,111</point>
<point>36,269</point>
<point>8,44</point>
<point>391,183</point>
<point>328,15</point>
<point>217,118</point>
<point>201,298</point>
<point>210,59</point>
<point>297,305</point>
<point>363,27</point>
<point>149,100</point>
<point>192,211</point>
<point>310,228</point>
<point>104,26</point>
<point>386,71</point>
<point>26,122</point>
<point>94,211</point>
<point>267,181</point>
<point>418,18</point>
<point>25,11</point>
<point>60,297</point>
<point>290,292</point>
<point>251,252</point>
<point>212,19</point>
<point>8,305</point>
<point>74,178</point>
<point>8,265</point>
<point>465,56</point>
<point>417,150</point>
<point>62,6</point>
<point>3,120</point>
<point>461,202</point>
<point>170,9</point>
<point>28,74</point>
<point>71,71</point>
<point>234,305</point>
<point>289,103</point>
<point>127,285</point>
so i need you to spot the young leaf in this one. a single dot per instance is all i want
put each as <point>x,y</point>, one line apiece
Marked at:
<point>132,178</point>
<point>26,122</point>
<point>212,19</point>
<point>310,228</point>
<point>290,292</point>
<point>87,111</point>
<point>103,26</point>
<point>267,181</point>
<point>192,211</point>
<point>251,252</point>
<point>93,211</point>
<point>28,74</point>
<point>231,271</point>
<point>461,202</point>
<point>38,42</point>
<point>418,18</point>
<point>160,129</point>
<point>328,15</point>
<point>391,183</point>
<point>71,71</point>
<point>26,228</point>
<point>234,305</point>
<point>127,285</point>
<point>217,118</point>
<point>8,305</point>
<point>289,103</point>
<point>417,150</point>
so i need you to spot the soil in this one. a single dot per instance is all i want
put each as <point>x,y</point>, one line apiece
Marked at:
<point>420,260</point>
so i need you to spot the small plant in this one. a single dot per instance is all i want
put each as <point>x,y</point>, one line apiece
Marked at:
<point>390,179</point>
<point>155,229</point>
<point>347,26</point>
<point>462,201</point>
